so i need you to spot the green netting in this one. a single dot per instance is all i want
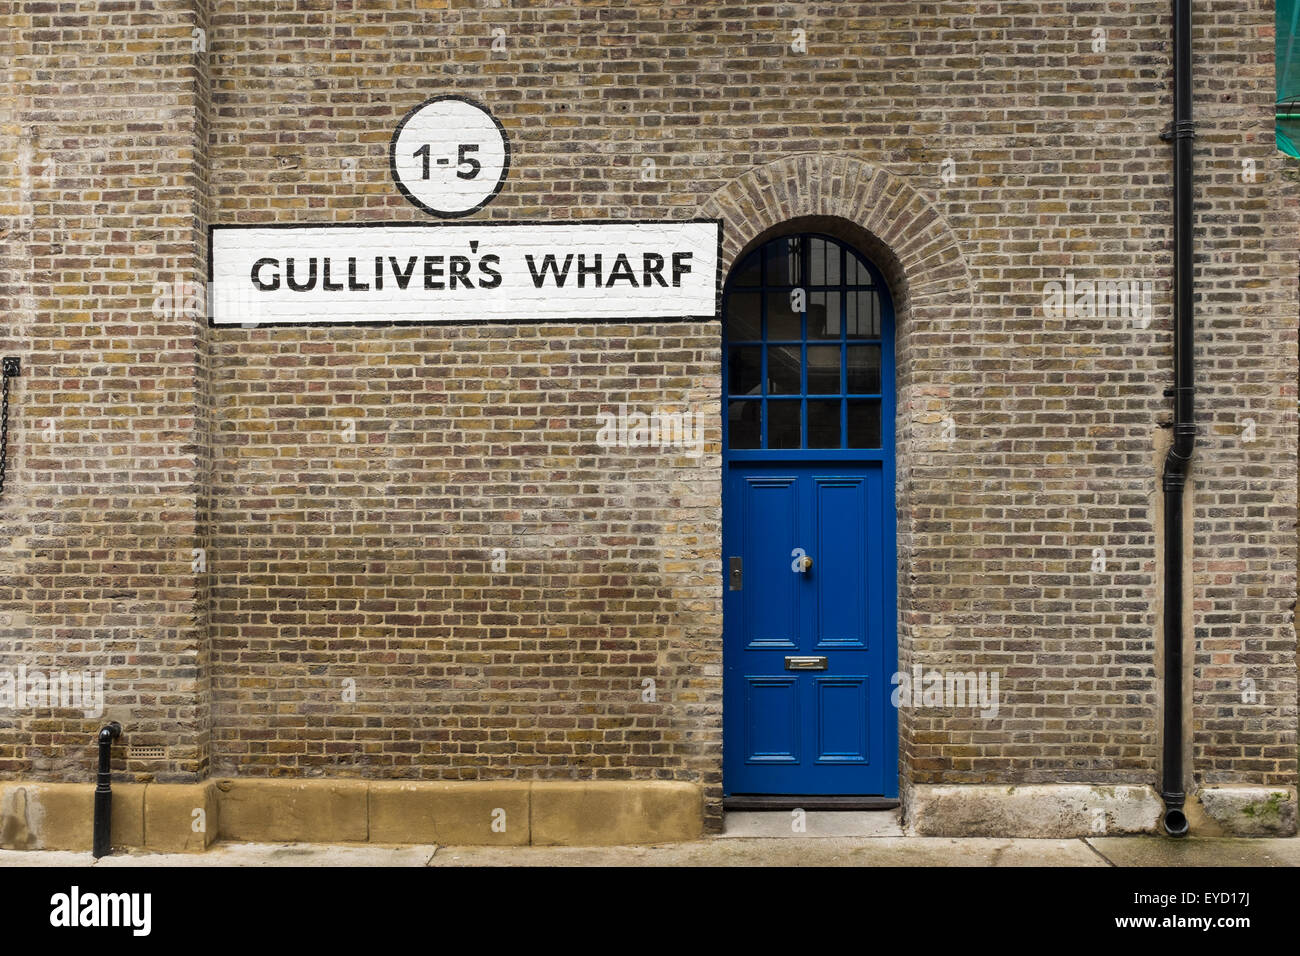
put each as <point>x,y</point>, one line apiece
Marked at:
<point>1288,77</point>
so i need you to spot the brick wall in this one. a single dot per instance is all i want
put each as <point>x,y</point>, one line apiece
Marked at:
<point>367,565</point>
<point>370,560</point>
<point>104,187</point>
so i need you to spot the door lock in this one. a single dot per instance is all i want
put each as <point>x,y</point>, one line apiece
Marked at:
<point>735,574</point>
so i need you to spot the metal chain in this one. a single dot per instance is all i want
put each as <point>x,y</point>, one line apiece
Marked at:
<point>4,429</point>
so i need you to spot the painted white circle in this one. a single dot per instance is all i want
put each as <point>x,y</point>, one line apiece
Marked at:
<point>449,156</point>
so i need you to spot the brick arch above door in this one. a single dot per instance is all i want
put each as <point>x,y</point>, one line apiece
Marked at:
<point>904,232</point>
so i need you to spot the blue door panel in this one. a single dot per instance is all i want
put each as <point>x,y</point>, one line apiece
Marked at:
<point>773,720</point>
<point>843,720</point>
<point>841,536</point>
<point>771,601</point>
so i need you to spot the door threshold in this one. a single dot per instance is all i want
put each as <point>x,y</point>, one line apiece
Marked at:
<point>780,801</point>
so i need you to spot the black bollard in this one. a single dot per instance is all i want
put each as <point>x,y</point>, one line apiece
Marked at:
<point>104,790</point>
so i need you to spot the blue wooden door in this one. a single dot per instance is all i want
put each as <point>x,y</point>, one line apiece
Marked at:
<point>808,524</point>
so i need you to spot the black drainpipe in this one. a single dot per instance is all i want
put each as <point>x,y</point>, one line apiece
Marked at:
<point>1179,456</point>
<point>103,825</point>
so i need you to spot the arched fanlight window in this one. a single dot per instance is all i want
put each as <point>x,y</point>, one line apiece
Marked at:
<point>808,344</point>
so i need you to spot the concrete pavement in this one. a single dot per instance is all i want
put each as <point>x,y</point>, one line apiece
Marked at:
<point>721,851</point>
<point>751,839</point>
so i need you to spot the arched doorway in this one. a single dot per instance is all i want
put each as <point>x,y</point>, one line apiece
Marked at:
<point>809,547</point>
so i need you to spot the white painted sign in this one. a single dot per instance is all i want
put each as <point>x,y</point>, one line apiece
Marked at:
<point>481,272</point>
<point>449,156</point>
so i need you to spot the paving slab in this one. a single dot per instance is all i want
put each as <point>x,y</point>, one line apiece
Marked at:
<point>818,851</point>
<point>45,858</point>
<point>1217,851</point>
<point>283,854</point>
<point>816,823</point>
<point>236,854</point>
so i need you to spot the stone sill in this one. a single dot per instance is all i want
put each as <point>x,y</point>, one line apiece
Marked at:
<point>172,818</point>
